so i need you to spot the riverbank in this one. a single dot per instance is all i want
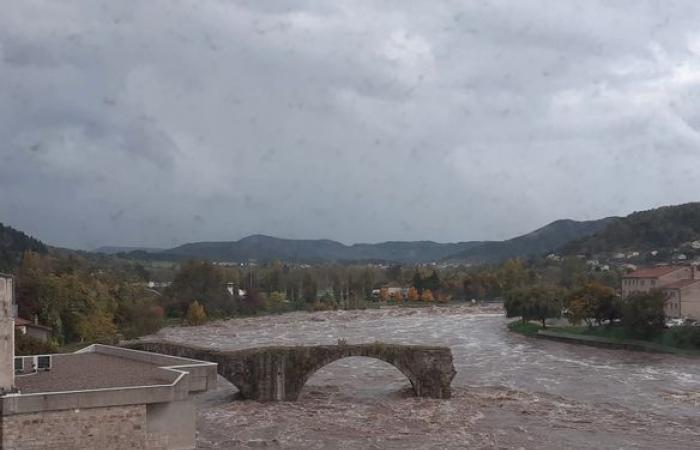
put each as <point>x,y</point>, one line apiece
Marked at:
<point>604,337</point>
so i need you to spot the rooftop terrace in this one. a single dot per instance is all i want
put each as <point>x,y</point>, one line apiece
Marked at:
<point>87,371</point>
<point>102,375</point>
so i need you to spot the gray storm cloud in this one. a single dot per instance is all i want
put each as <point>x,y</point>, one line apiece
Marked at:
<point>161,122</point>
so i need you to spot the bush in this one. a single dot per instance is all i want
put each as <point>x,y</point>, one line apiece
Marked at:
<point>643,314</point>
<point>195,314</point>
<point>685,337</point>
<point>139,319</point>
<point>28,345</point>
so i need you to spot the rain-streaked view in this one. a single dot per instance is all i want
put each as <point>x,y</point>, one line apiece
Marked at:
<point>349,224</point>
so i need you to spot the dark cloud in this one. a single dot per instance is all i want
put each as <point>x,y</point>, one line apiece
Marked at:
<point>155,123</point>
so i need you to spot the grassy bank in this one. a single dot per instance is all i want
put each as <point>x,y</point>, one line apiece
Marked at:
<point>525,328</point>
<point>666,341</point>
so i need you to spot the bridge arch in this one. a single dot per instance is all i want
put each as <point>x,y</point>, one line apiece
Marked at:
<point>280,373</point>
<point>364,365</point>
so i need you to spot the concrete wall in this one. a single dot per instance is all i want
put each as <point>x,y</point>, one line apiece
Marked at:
<point>7,334</point>
<point>110,428</point>
<point>38,333</point>
<point>172,425</point>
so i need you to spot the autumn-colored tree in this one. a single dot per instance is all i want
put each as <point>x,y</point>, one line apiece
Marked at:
<point>593,302</point>
<point>580,310</point>
<point>398,298</point>
<point>412,295</point>
<point>384,294</point>
<point>195,314</point>
<point>427,296</point>
<point>97,326</point>
<point>538,302</point>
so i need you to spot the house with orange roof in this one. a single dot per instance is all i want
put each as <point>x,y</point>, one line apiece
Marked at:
<point>681,284</point>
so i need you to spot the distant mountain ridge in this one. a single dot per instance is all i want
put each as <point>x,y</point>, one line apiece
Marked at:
<point>266,248</point>
<point>664,229</point>
<point>113,250</point>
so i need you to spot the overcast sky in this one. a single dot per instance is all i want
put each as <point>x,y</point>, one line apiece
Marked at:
<point>162,122</point>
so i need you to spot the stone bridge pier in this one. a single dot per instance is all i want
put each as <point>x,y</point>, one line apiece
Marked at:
<point>279,373</point>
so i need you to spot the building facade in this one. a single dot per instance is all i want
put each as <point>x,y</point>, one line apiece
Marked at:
<point>680,284</point>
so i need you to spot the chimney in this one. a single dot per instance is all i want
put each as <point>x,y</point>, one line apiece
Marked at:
<point>7,334</point>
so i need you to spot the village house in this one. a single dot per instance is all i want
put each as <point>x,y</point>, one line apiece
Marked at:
<point>681,284</point>
<point>101,397</point>
<point>32,329</point>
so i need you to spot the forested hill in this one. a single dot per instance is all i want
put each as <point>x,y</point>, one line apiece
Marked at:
<point>13,243</point>
<point>267,248</point>
<point>546,239</point>
<point>665,228</point>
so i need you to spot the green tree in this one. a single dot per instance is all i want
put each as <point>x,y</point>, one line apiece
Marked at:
<point>201,281</point>
<point>309,288</point>
<point>138,313</point>
<point>513,275</point>
<point>535,303</point>
<point>432,283</point>
<point>418,281</point>
<point>643,314</point>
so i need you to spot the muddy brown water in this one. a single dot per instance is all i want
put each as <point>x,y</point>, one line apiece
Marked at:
<point>509,392</point>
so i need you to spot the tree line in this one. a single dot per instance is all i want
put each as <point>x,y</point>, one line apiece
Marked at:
<point>96,298</point>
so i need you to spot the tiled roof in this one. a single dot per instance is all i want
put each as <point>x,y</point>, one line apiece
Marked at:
<point>20,322</point>
<point>652,272</point>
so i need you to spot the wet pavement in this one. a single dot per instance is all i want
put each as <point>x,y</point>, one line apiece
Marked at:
<point>510,391</point>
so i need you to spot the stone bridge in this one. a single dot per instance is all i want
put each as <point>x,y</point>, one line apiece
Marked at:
<point>279,373</point>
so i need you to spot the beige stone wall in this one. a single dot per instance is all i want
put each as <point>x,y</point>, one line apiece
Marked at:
<point>690,302</point>
<point>112,428</point>
<point>7,334</point>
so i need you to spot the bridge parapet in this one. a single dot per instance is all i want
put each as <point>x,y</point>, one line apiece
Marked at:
<point>279,373</point>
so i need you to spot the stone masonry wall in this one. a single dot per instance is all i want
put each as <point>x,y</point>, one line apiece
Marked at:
<point>279,373</point>
<point>112,428</point>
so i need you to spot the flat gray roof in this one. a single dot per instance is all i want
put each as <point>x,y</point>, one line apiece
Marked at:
<point>91,370</point>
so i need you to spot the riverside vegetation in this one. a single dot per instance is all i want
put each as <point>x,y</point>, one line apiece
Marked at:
<point>639,317</point>
<point>89,298</point>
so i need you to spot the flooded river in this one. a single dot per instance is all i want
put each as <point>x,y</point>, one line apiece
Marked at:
<point>509,391</point>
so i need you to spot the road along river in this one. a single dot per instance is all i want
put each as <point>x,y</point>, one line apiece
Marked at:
<point>510,391</point>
